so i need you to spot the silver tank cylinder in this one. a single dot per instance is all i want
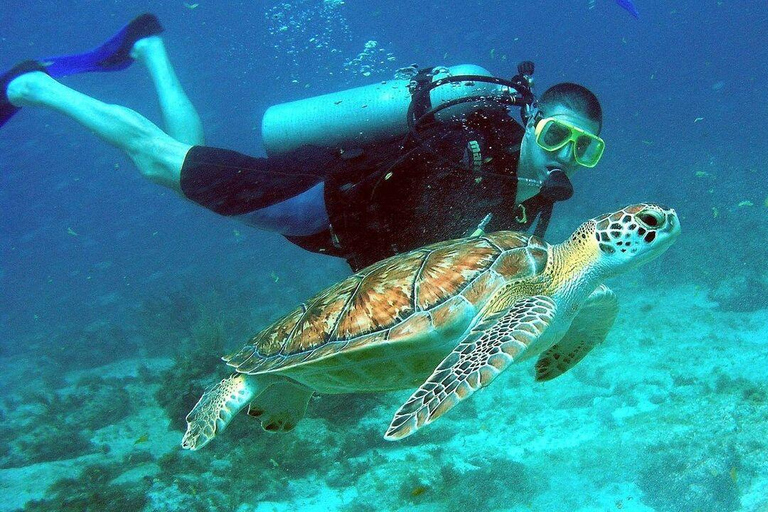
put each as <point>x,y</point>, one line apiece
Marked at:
<point>362,115</point>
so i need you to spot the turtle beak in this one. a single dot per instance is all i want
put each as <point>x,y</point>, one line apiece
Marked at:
<point>673,224</point>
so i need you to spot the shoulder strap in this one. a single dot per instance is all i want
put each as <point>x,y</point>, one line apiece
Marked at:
<point>421,102</point>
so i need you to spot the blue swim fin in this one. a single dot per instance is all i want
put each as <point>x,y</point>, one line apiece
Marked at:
<point>6,108</point>
<point>113,55</point>
<point>629,5</point>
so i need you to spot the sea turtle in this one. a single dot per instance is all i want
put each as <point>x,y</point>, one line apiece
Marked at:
<point>448,318</point>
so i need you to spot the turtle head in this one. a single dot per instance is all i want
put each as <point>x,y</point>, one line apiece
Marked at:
<point>633,235</point>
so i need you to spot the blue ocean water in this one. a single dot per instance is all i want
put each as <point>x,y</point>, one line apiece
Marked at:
<point>108,282</point>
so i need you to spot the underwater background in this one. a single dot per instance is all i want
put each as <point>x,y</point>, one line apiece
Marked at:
<point>117,297</point>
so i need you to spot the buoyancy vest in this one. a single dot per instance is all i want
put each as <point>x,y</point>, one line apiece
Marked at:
<point>396,196</point>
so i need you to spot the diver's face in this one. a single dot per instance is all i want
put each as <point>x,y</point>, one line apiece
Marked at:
<point>536,162</point>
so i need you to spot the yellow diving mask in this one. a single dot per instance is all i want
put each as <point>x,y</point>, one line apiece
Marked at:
<point>552,134</point>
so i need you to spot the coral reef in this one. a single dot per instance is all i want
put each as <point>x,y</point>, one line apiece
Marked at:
<point>741,293</point>
<point>94,490</point>
<point>196,365</point>
<point>59,424</point>
<point>687,479</point>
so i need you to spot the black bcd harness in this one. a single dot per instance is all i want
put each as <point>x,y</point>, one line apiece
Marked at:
<point>342,238</point>
<point>421,112</point>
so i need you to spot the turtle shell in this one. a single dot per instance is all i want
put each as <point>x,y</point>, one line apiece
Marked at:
<point>397,298</point>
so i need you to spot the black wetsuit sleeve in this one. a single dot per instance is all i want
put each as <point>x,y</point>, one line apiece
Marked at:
<point>230,183</point>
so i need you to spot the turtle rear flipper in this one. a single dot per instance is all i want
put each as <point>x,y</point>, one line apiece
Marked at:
<point>216,408</point>
<point>280,406</point>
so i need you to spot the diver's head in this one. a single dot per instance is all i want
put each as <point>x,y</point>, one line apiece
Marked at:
<point>561,134</point>
<point>574,97</point>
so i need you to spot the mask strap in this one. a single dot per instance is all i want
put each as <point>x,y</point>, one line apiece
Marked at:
<point>529,113</point>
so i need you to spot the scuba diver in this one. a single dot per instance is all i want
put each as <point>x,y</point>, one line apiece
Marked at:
<point>361,174</point>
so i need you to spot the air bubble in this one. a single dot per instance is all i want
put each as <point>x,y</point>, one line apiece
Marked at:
<point>312,41</point>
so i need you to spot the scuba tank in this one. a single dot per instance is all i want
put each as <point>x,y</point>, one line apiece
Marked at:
<point>363,115</point>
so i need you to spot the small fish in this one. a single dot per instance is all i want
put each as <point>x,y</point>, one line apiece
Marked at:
<point>629,6</point>
<point>142,439</point>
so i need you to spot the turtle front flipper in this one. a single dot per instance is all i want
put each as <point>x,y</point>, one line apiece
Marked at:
<point>489,348</point>
<point>588,329</point>
<point>216,408</point>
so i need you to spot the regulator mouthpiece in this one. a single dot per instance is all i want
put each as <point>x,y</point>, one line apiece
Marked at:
<point>557,186</point>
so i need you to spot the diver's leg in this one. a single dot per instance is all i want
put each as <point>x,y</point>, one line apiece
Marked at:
<point>157,155</point>
<point>112,55</point>
<point>182,121</point>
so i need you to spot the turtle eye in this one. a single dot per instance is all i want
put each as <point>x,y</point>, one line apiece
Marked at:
<point>650,219</point>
